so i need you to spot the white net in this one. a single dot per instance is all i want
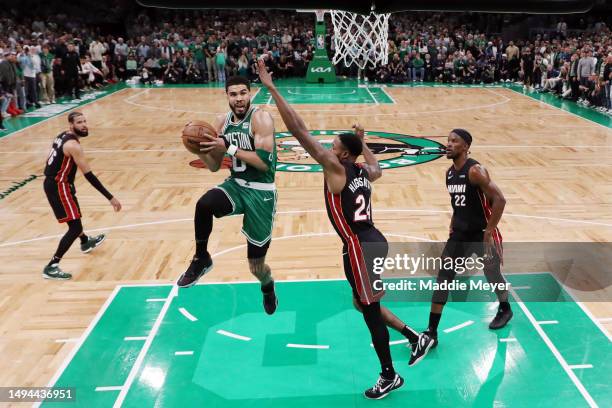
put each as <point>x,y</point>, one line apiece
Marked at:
<point>360,39</point>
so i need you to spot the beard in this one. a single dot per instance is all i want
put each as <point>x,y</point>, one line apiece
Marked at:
<point>81,133</point>
<point>241,116</point>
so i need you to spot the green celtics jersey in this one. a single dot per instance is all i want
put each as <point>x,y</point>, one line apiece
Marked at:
<point>240,134</point>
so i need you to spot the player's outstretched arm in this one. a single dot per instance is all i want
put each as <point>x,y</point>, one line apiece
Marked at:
<point>74,150</point>
<point>371,164</point>
<point>297,127</point>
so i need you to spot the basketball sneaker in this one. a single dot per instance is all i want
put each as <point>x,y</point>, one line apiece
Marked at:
<point>432,335</point>
<point>501,319</point>
<point>420,348</point>
<point>383,387</point>
<point>270,301</point>
<point>54,272</point>
<point>92,242</point>
<point>197,268</point>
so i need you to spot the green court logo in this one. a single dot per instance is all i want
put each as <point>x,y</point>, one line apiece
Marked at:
<point>393,150</point>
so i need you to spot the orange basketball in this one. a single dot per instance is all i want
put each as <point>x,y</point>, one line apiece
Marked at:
<point>195,132</point>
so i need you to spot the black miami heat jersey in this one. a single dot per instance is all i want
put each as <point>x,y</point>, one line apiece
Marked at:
<point>470,208</point>
<point>60,167</point>
<point>350,211</point>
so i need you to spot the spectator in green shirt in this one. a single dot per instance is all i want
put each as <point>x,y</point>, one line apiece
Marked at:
<point>220,58</point>
<point>20,88</point>
<point>47,84</point>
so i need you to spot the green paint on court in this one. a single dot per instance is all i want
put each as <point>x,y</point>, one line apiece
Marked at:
<point>63,105</point>
<point>347,92</point>
<point>472,366</point>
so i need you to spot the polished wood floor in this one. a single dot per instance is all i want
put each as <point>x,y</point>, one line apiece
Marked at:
<point>553,167</point>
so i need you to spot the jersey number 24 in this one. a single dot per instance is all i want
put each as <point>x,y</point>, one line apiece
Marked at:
<point>362,213</point>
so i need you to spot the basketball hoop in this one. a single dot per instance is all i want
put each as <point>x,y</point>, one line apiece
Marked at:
<point>360,39</point>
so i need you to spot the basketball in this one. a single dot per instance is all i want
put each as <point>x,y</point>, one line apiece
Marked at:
<point>195,132</point>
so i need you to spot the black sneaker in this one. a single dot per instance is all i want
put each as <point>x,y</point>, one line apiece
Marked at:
<point>383,387</point>
<point>434,336</point>
<point>420,348</point>
<point>197,269</point>
<point>501,319</point>
<point>54,272</point>
<point>270,301</point>
<point>92,242</point>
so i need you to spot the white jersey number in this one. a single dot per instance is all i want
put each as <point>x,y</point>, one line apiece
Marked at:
<point>459,200</point>
<point>51,157</point>
<point>238,165</point>
<point>362,213</point>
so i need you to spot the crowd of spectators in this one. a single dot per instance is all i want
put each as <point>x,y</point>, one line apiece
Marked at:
<point>44,59</point>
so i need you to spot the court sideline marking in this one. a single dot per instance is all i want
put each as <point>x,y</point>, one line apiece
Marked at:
<point>562,110</point>
<point>554,350</point>
<point>60,114</point>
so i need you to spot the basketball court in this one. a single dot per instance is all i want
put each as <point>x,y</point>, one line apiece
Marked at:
<point>121,314</point>
<point>149,344</point>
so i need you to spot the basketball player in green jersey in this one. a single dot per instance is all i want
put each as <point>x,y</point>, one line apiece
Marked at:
<point>246,134</point>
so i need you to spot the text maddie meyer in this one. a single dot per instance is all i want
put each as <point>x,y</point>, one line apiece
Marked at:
<point>427,284</point>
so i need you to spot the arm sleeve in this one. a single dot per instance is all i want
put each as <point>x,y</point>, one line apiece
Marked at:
<point>93,180</point>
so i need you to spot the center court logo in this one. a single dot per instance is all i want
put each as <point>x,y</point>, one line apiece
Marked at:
<point>393,150</point>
